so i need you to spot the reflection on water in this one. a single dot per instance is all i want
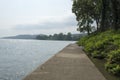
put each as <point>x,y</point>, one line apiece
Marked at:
<point>20,57</point>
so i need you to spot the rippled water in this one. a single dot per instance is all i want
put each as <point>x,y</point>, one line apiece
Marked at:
<point>20,57</point>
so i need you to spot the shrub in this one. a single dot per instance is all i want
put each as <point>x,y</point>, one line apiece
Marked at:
<point>98,54</point>
<point>89,47</point>
<point>83,40</point>
<point>113,68</point>
<point>117,42</point>
<point>105,45</point>
<point>113,62</point>
<point>114,56</point>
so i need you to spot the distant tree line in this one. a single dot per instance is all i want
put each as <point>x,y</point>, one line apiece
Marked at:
<point>60,36</point>
<point>105,13</point>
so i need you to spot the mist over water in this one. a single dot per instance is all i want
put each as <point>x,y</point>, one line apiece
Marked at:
<point>20,57</point>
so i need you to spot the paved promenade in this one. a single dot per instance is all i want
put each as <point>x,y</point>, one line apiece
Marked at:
<point>69,64</point>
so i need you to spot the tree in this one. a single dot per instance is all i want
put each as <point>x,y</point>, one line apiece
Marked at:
<point>60,36</point>
<point>42,37</point>
<point>68,36</point>
<point>96,14</point>
<point>86,13</point>
<point>104,12</point>
<point>103,19</point>
<point>55,37</point>
<point>110,14</point>
<point>116,14</point>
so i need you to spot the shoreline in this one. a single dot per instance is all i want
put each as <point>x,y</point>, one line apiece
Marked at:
<point>71,63</point>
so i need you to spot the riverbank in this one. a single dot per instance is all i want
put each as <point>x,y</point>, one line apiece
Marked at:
<point>69,64</point>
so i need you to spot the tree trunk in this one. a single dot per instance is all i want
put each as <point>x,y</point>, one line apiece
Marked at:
<point>104,5</point>
<point>115,14</point>
<point>88,31</point>
<point>97,23</point>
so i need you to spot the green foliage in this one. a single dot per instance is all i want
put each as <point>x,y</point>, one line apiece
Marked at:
<point>83,10</point>
<point>105,45</point>
<point>81,42</point>
<point>113,68</point>
<point>60,36</point>
<point>98,54</point>
<point>114,57</point>
<point>105,13</point>
<point>113,62</point>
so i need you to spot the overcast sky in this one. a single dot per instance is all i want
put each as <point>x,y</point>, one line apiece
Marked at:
<point>36,17</point>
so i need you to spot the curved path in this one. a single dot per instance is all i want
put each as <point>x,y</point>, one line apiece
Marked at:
<point>69,64</point>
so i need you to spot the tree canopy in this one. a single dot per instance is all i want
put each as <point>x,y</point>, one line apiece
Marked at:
<point>60,36</point>
<point>105,13</point>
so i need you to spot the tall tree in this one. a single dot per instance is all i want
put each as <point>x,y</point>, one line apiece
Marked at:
<point>104,12</point>
<point>103,18</point>
<point>116,13</point>
<point>68,36</point>
<point>96,14</point>
<point>82,10</point>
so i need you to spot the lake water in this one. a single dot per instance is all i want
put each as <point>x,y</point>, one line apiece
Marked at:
<point>18,58</point>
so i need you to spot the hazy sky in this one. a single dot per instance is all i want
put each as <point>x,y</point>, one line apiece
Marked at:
<point>36,17</point>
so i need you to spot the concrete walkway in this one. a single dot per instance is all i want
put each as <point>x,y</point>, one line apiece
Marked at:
<point>69,64</point>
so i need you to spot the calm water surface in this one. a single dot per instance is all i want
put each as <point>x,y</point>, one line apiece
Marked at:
<point>20,57</point>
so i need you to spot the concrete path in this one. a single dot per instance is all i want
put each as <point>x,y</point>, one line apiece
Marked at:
<point>69,64</point>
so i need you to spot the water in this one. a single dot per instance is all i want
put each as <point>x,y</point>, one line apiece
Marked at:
<point>18,58</point>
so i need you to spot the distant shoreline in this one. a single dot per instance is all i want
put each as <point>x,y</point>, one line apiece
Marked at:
<point>59,37</point>
<point>34,39</point>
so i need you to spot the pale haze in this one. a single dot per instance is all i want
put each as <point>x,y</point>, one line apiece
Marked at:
<point>36,17</point>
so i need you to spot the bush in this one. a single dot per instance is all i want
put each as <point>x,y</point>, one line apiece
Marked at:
<point>89,47</point>
<point>114,57</point>
<point>82,40</point>
<point>113,68</point>
<point>105,45</point>
<point>113,64</point>
<point>98,54</point>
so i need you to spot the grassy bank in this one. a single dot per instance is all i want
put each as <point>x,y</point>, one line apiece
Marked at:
<point>104,50</point>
